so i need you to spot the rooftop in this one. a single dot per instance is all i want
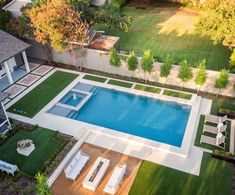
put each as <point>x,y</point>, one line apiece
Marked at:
<point>10,46</point>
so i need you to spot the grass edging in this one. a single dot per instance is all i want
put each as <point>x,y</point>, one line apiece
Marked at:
<point>95,78</point>
<point>120,83</point>
<point>177,94</point>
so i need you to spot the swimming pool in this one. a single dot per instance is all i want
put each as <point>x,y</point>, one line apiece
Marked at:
<point>145,117</point>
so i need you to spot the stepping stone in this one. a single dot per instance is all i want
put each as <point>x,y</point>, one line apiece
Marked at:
<point>42,70</point>
<point>28,80</point>
<point>15,90</point>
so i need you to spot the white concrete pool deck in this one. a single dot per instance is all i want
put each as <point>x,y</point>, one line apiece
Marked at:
<point>189,162</point>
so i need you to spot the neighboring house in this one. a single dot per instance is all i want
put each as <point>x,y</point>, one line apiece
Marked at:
<point>5,124</point>
<point>15,7</point>
<point>12,56</point>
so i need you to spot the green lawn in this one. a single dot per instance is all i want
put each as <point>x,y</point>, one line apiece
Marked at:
<point>177,94</point>
<point>148,89</point>
<point>120,83</point>
<point>215,178</point>
<point>40,96</point>
<point>222,103</point>
<point>46,145</point>
<point>94,78</point>
<point>207,146</point>
<point>164,31</point>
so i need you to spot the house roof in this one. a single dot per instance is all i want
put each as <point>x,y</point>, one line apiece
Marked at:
<point>3,96</point>
<point>10,46</point>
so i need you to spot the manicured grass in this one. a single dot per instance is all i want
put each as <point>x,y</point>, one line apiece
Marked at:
<point>148,89</point>
<point>215,178</point>
<point>94,78</point>
<point>177,94</point>
<point>45,147</point>
<point>120,83</point>
<point>221,103</point>
<point>40,96</point>
<point>153,28</point>
<point>207,146</point>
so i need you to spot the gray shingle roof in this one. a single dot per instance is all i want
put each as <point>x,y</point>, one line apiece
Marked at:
<point>10,46</point>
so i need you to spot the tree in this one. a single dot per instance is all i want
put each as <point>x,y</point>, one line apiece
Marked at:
<point>115,59</point>
<point>222,81</point>
<point>41,185</point>
<point>185,71</point>
<point>147,62</point>
<point>132,61</point>
<point>58,26</point>
<point>201,74</point>
<point>232,59</point>
<point>5,17</point>
<point>219,23</point>
<point>166,67</point>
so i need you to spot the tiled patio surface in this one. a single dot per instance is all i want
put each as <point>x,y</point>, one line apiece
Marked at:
<point>28,80</point>
<point>32,66</point>
<point>14,90</point>
<point>63,186</point>
<point>42,70</point>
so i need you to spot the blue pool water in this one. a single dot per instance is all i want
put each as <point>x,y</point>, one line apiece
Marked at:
<point>141,116</point>
<point>72,98</point>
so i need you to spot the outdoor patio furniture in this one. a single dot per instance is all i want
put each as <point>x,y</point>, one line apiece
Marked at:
<point>213,129</point>
<point>115,180</point>
<point>96,173</point>
<point>7,167</point>
<point>76,165</point>
<point>215,119</point>
<point>220,139</point>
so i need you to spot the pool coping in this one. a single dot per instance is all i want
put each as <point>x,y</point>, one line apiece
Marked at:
<point>182,151</point>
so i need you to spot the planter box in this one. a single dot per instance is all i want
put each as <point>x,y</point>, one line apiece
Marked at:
<point>27,151</point>
<point>222,157</point>
<point>229,113</point>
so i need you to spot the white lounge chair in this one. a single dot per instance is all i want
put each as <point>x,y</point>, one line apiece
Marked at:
<point>213,141</point>
<point>214,130</point>
<point>7,167</point>
<point>115,180</point>
<point>76,165</point>
<point>96,173</point>
<point>215,119</point>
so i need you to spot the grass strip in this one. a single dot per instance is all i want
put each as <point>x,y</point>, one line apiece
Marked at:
<point>177,94</point>
<point>120,83</point>
<point>94,78</point>
<point>148,89</point>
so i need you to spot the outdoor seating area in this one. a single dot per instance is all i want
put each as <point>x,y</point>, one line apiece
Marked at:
<point>8,168</point>
<point>106,171</point>
<point>217,127</point>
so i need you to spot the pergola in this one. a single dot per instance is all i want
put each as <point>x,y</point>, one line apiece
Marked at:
<point>5,124</point>
<point>9,47</point>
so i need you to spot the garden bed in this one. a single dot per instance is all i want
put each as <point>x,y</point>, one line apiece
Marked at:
<point>120,83</point>
<point>94,78</point>
<point>177,94</point>
<point>148,89</point>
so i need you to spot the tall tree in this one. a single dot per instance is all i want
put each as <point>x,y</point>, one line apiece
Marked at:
<point>132,61</point>
<point>222,81</point>
<point>115,59</point>
<point>147,62</point>
<point>219,23</point>
<point>201,74</point>
<point>185,71</point>
<point>166,67</point>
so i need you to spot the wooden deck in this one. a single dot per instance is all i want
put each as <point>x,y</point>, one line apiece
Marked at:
<point>64,186</point>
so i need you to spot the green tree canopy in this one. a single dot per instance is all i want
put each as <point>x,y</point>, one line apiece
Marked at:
<point>219,23</point>
<point>132,61</point>
<point>222,81</point>
<point>5,17</point>
<point>185,71</point>
<point>166,67</point>
<point>201,73</point>
<point>147,61</point>
<point>232,59</point>
<point>41,185</point>
<point>115,59</point>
